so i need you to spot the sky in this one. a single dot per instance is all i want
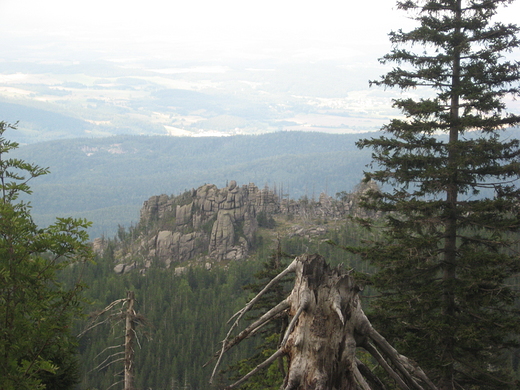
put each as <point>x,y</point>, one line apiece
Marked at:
<point>203,29</point>
<point>211,32</point>
<point>198,29</point>
<point>208,29</point>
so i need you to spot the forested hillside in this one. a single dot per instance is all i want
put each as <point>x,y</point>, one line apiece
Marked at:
<point>106,180</point>
<point>186,308</point>
<point>187,304</point>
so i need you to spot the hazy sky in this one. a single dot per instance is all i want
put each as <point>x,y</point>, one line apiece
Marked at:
<point>204,28</point>
<point>200,28</point>
<point>210,29</point>
<point>354,33</point>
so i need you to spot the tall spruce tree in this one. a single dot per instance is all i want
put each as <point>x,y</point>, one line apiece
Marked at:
<point>450,195</point>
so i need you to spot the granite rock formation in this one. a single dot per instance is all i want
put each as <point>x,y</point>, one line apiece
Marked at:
<point>216,224</point>
<point>220,223</point>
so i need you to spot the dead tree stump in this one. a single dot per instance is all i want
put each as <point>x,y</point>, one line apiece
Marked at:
<point>327,327</point>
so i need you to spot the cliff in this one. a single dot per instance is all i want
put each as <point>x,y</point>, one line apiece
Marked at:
<point>213,224</point>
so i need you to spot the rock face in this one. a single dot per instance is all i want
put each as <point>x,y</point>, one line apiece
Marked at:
<point>218,222</point>
<point>215,224</point>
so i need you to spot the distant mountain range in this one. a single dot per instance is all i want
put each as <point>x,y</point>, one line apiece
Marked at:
<point>106,180</point>
<point>102,98</point>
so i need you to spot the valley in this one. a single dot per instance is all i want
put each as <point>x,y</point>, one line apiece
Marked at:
<point>107,180</point>
<point>103,97</point>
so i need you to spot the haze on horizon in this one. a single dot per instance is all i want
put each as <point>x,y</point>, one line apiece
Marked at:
<point>199,29</point>
<point>206,38</point>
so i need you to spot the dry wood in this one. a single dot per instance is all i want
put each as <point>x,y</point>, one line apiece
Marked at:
<point>129,342</point>
<point>131,320</point>
<point>327,327</point>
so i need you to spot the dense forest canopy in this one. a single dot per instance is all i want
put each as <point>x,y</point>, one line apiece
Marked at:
<point>107,180</point>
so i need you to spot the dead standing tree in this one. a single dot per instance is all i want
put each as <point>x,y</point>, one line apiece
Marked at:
<point>327,326</point>
<point>132,319</point>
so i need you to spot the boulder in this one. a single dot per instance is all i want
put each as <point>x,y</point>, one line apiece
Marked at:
<point>119,268</point>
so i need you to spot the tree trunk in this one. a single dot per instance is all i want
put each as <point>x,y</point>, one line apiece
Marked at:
<point>129,342</point>
<point>326,328</point>
<point>452,191</point>
<point>321,349</point>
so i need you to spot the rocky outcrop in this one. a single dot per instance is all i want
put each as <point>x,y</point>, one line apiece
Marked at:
<point>124,268</point>
<point>156,208</point>
<point>218,223</point>
<point>215,224</point>
<point>222,234</point>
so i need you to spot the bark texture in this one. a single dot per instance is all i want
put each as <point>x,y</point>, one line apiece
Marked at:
<point>129,342</point>
<point>327,327</point>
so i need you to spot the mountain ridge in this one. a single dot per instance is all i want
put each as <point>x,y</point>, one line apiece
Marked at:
<point>106,180</point>
<point>211,225</point>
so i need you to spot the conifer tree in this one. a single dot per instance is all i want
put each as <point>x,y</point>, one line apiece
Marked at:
<point>272,377</point>
<point>37,349</point>
<point>449,178</point>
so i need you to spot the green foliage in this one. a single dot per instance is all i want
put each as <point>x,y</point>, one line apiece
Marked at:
<point>445,256</point>
<point>37,349</point>
<point>186,314</point>
<point>272,376</point>
<point>265,221</point>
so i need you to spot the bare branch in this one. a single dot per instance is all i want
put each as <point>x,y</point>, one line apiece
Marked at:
<point>103,365</point>
<point>254,327</point>
<point>266,363</point>
<point>113,384</point>
<point>107,348</point>
<point>293,322</point>
<point>137,339</point>
<point>383,363</point>
<point>360,379</point>
<point>372,379</point>
<point>405,366</point>
<point>97,315</point>
<point>290,268</point>
<point>111,306</point>
<point>95,325</point>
